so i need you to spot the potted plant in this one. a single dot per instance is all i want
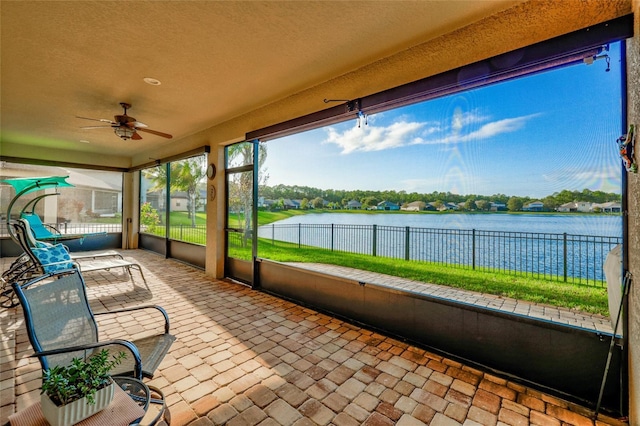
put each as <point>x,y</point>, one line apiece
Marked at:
<point>72,393</point>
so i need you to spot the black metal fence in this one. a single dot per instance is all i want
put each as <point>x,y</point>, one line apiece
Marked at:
<point>190,234</point>
<point>187,233</point>
<point>563,257</point>
<point>74,228</point>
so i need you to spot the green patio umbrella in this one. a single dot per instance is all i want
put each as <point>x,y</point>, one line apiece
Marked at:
<point>26,185</point>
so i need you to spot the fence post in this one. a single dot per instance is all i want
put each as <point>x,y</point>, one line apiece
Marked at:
<point>299,234</point>
<point>473,249</point>
<point>375,240</point>
<point>181,232</point>
<point>564,255</point>
<point>273,234</point>
<point>406,243</point>
<point>332,237</point>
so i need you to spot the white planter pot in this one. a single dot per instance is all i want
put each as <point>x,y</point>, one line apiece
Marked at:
<point>77,410</point>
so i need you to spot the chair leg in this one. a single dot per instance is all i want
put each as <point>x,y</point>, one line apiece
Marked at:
<point>8,298</point>
<point>141,274</point>
<point>128,268</point>
<point>139,269</point>
<point>158,405</point>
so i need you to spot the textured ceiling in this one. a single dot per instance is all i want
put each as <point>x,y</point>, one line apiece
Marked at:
<point>215,60</point>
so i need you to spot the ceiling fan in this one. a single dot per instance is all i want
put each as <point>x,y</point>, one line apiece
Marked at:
<point>125,126</point>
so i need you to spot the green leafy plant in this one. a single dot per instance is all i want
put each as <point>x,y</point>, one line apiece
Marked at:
<point>65,384</point>
<point>149,217</point>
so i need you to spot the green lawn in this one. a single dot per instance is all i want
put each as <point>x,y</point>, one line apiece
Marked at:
<point>580,297</point>
<point>182,218</point>
<point>182,230</point>
<point>266,217</point>
<point>556,293</point>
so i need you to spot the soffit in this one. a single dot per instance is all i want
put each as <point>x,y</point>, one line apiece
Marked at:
<point>216,61</point>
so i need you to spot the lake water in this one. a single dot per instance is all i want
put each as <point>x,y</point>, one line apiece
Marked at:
<point>564,245</point>
<point>597,225</point>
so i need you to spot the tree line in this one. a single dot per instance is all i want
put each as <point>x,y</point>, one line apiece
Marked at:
<point>332,198</point>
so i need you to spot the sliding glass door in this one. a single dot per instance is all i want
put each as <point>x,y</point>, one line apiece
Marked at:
<point>240,229</point>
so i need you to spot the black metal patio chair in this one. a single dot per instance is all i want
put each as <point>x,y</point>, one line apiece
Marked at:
<point>61,325</point>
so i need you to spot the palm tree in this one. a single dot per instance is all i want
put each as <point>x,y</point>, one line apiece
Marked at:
<point>241,184</point>
<point>186,175</point>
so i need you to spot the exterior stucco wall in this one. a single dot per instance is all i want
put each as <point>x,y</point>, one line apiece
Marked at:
<point>633,102</point>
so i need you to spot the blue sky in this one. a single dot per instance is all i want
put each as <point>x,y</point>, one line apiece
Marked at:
<point>529,137</point>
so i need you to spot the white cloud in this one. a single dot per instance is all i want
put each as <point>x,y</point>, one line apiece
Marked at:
<point>370,137</point>
<point>374,138</point>
<point>507,125</point>
<point>486,131</point>
<point>463,119</point>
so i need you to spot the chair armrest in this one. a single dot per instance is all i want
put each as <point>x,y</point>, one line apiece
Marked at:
<point>128,345</point>
<point>136,308</point>
<point>52,228</point>
<point>47,266</point>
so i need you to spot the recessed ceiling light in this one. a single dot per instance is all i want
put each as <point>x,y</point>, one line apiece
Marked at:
<point>84,141</point>
<point>152,81</point>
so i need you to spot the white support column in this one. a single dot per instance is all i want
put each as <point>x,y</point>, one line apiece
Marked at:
<point>130,211</point>
<point>214,261</point>
<point>50,207</point>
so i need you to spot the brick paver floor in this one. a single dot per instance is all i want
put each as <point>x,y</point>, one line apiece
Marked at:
<point>243,357</point>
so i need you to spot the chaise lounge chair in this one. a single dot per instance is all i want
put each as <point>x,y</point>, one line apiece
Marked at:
<point>49,256</point>
<point>42,258</point>
<point>33,241</point>
<point>49,233</point>
<point>25,186</point>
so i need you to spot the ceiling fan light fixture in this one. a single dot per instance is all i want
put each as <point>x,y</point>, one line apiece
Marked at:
<point>152,81</point>
<point>124,132</point>
<point>125,126</point>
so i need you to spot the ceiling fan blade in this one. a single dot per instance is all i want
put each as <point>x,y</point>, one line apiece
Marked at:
<point>104,120</point>
<point>135,125</point>
<point>155,132</point>
<point>136,136</point>
<point>96,127</point>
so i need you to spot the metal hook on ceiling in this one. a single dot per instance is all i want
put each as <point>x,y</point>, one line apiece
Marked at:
<point>362,116</point>
<point>352,105</point>
<point>599,55</point>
